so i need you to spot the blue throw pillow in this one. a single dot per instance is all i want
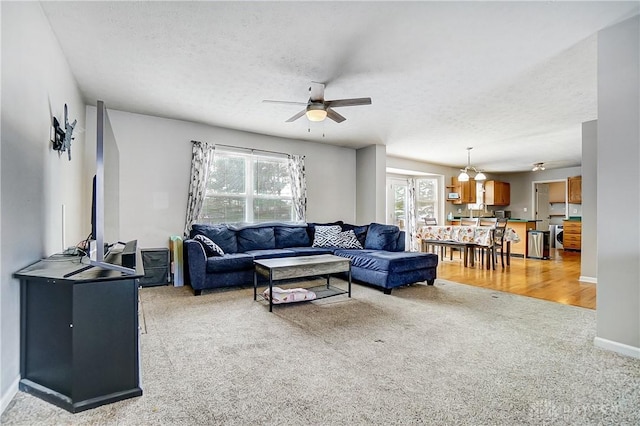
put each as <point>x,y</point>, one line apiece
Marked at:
<point>224,237</point>
<point>291,237</point>
<point>256,239</point>
<point>382,237</point>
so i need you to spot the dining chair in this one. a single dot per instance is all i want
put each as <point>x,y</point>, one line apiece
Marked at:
<point>498,242</point>
<point>469,221</point>
<point>488,221</point>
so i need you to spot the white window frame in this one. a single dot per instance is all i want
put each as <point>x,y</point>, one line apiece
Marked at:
<point>249,196</point>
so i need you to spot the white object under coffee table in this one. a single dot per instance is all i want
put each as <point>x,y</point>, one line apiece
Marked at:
<point>283,268</point>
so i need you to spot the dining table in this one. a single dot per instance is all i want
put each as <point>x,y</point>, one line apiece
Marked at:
<point>465,238</point>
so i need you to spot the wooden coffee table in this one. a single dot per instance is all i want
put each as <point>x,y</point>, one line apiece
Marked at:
<point>301,267</point>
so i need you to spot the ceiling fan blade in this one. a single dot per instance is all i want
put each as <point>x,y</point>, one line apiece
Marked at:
<point>316,91</point>
<point>335,116</point>
<point>268,101</point>
<point>298,115</point>
<point>348,102</point>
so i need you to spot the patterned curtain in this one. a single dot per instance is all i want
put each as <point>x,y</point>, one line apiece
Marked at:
<point>202,156</point>
<point>412,225</point>
<point>298,186</point>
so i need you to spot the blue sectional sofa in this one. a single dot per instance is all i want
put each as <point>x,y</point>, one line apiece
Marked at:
<point>381,261</point>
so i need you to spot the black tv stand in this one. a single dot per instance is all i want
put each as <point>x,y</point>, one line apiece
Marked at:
<point>79,333</point>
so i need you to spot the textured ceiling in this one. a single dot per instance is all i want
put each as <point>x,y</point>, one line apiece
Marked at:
<point>514,80</point>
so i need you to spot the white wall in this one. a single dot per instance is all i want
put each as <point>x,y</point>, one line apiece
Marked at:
<point>35,181</point>
<point>589,253</point>
<point>155,164</point>
<point>618,291</point>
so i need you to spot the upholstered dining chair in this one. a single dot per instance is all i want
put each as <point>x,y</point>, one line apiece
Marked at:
<point>469,221</point>
<point>430,221</point>
<point>488,221</point>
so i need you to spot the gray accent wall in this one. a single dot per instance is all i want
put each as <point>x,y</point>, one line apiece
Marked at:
<point>35,180</point>
<point>589,252</point>
<point>371,164</point>
<point>155,164</point>
<point>618,290</point>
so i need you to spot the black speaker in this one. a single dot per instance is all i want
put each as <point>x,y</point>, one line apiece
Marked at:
<point>156,267</point>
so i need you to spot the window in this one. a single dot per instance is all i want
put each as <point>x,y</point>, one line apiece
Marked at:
<point>247,188</point>
<point>426,199</point>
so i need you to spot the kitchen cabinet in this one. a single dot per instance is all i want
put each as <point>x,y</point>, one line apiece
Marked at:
<point>497,193</point>
<point>575,189</point>
<point>466,191</point>
<point>557,192</point>
<point>572,235</point>
<point>520,227</point>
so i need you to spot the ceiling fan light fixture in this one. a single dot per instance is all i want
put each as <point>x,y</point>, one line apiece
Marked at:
<point>316,113</point>
<point>537,167</point>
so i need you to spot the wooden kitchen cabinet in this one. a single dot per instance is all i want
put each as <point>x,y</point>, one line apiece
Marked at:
<point>572,235</point>
<point>557,192</point>
<point>497,193</point>
<point>466,191</point>
<point>575,189</point>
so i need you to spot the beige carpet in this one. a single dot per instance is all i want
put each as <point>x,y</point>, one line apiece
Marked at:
<point>443,354</point>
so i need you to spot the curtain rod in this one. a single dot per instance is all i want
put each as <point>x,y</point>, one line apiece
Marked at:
<point>249,149</point>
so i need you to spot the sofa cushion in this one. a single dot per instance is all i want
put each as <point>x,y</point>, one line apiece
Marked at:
<point>389,261</point>
<point>230,262</point>
<point>210,248</point>
<point>310,251</point>
<point>224,237</point>
<point>382,237</point>
<point>256,239</point>
<point>271,253</point>
<point>291,237</point>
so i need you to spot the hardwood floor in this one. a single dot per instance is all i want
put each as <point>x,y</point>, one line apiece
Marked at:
<point>555,279</point>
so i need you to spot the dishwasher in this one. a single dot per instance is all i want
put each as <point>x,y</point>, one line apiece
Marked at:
<point>538,244</point>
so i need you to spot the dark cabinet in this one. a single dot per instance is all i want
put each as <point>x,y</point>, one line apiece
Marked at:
<point>79,335</point>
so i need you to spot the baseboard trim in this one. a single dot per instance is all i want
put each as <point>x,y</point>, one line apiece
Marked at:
<point>620,348</point>
<point>592,280</point>
<point>9,394</point>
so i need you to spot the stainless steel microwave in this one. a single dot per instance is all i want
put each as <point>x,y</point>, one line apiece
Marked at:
<point>502,214</point>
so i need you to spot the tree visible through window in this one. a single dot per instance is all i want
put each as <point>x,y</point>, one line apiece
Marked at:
<point>426,198</point>
<point>247,188</point>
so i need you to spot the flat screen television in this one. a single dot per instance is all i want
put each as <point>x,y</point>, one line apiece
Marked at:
<point>105,209</point>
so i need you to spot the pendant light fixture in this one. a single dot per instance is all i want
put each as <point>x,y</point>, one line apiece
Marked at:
<point>464,173</point>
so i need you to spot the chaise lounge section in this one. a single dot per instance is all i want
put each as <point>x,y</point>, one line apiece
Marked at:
<point>379,260</point>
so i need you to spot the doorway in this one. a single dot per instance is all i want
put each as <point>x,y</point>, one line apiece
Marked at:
<point>542,207</point>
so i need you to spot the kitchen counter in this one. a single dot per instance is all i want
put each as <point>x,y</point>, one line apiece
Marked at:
<point>521,226</point>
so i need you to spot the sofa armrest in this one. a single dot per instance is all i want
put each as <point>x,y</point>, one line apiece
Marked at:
<point>195,262</point>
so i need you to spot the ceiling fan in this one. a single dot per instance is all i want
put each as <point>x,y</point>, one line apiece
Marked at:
<point>317,109</point>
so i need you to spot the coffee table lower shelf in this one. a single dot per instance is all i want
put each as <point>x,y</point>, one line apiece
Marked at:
<point>303,267</point>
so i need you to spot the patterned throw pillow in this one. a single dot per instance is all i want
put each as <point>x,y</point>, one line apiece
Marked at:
<point>324,235</point>
<point>210,248</point>
<point>347,240</point>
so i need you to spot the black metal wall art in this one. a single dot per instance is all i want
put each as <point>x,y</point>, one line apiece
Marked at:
<point>62,138</point>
